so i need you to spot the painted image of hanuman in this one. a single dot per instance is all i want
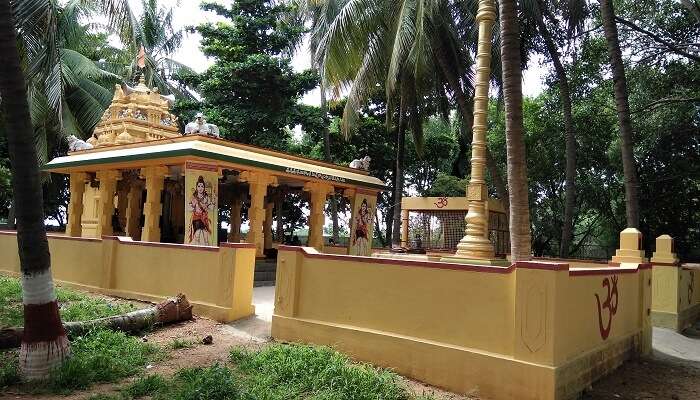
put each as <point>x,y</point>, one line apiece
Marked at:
<point>200,224</point>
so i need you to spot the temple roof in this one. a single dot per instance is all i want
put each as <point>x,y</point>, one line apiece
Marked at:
<point>226,154</point>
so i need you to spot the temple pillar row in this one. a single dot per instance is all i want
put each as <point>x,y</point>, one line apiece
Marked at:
<point>75,205</point>
<point>105,205</point>
<point>258,183</point>
<point>267,226</point>
<point>133,211</point>
<point>234,235</point>
<point>318,195</point>
<point>152,208</point>
<point>404,228</point>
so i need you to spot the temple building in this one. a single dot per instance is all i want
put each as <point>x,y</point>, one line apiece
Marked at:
<point>139,177</point>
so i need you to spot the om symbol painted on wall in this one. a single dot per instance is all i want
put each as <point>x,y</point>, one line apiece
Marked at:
<point>441,202</point>
<point>610,304</point>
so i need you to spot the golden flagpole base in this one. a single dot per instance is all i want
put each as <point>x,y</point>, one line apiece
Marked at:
<point>475,250</point>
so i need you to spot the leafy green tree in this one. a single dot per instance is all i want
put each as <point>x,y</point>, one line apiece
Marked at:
<point>251,91</point>
<point>439,149</point>
<point>447,186</point>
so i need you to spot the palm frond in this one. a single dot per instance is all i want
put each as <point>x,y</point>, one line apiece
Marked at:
<point>83,67</point>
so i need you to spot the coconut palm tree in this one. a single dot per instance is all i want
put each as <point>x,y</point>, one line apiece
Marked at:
<point>355,55</point>
<point>539,11</point>
<point>414,50</point>
<point>515,143</point>
<point>44,342</point>
<point>317,13</point>
<point>629,165</point>
<point>67,91</point>
<point>154,34</point>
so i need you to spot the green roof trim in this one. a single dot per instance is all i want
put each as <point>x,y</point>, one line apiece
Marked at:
<point>204,154</point>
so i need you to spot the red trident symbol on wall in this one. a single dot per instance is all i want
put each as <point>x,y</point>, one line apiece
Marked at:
<point>609,304</point>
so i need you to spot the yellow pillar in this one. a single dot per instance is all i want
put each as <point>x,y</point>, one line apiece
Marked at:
<point>105,207</point>
<point>664,253</point>
<point>630,250</point>
<point>267,228</point>
<point>152,208</point>
<point>404,228</point>
<point>234,235</point>
<point>475,244</point>
<point>75,205</point>
<point>133,211</point>
<point>122,203</point>
<point>257,188</point>
<point>350,195</point>
<point>319,192</point>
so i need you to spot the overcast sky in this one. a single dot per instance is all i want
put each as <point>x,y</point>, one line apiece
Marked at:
<point>188,13</point>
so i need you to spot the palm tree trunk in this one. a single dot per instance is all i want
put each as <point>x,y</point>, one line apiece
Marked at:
<point>515,144</point>
<point>398,178</point>
<point>465,111</point>
<point>44,343</point>
<point>569,183</point>
<point>623,113</point>
<point>327,155</point>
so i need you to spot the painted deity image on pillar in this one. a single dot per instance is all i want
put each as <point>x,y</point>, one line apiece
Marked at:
<point>201,207</point>
<point>362,226</point>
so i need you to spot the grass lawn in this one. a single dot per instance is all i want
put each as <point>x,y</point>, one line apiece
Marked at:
<point>99,356</point>
<point>74,305</point>
<point>275,372</point>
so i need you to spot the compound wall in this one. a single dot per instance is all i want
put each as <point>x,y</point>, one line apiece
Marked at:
<point>676,295</point>
<point>218,281</point>
<point>533,330</point>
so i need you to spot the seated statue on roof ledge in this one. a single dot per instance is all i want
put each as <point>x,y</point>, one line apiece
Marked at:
<point>200,127</point>
<point>362,163</point>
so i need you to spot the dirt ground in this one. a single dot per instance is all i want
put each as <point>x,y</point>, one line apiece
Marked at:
<point>658,377</point>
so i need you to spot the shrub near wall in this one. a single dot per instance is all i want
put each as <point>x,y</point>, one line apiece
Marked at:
<point>533,330</point>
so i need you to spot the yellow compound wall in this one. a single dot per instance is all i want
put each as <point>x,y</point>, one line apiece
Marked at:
<point>533,330</point>
<point>676,295</point>
<point>218,281</point>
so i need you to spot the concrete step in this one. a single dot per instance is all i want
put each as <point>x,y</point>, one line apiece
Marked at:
<point>264,276</point>
<point>265,267</point>
<point>265,272</point>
